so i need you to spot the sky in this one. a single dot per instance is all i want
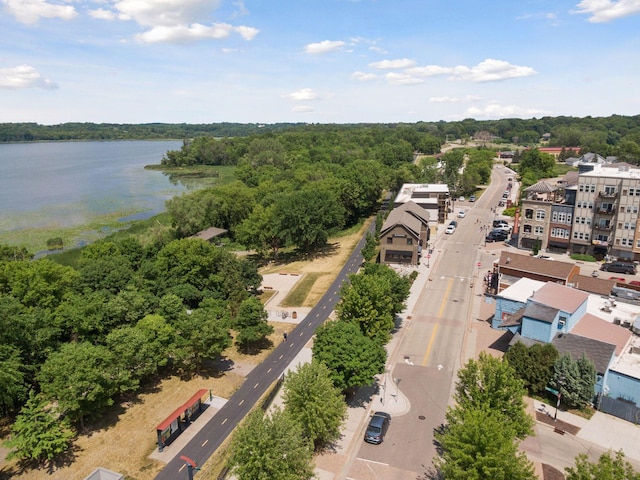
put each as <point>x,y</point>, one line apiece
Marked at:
<point>316,61</point>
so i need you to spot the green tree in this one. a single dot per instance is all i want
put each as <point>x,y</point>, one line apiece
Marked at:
<point>400,286</point>
<point>80,378</point>
<point>575,380</point>
<point>12,378</point>
<point>203,334</point>
<point>352,358</point>
<point>534,364</point>
<point>39,433</point>
<point>306,217</point>
<point>270,447</point>
<point>491,383</point>
<point>607,468</point>
<point>251,323</point>
<point>477,444</point>
<point>315,403</point>
<point>368,302</point>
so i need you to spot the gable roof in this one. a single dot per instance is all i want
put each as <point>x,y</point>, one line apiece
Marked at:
<point>409,215</point>
<point>416,210</point>
<point>559,296</point>
<point>535,266</point>
<point>596,328</point>
<point>599,286</point>
<point>598,352</point>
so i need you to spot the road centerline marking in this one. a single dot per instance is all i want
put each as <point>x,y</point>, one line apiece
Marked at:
<point>446,297</point>
<point>430,344</point>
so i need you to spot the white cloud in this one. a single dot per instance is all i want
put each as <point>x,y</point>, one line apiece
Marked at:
<point>30,11</point>
<point>602,11</point>
<point>302,109</point>
<point>402,79</point>
<point>363,76</point>
<point>491,70</point>
<point>429,70</point>
<point>445,99</point>
<point>324,46</point>
<point>393,64</point>
<point>494,110</point>
<point>302,95</point>
<point>24,76</point>
<point>241,9</point>
<point>193,33</point>
<point>102,14</point>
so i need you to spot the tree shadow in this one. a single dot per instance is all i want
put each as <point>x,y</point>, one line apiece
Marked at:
<point>502,343</point>
<point>256,347</point>
<point>439,430</point>
<point>430,473</point>
<point>362,396</point>
<point>24,467</point>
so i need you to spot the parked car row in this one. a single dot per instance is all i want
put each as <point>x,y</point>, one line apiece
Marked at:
<point>497,236</point>
<point>619,267</point>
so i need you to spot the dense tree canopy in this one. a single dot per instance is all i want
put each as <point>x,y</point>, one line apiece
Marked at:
<point>608,467</point>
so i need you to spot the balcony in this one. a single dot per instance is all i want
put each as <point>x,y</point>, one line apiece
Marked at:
<point>606,211</point>
<point>606,226</point>
<point>605,194</point>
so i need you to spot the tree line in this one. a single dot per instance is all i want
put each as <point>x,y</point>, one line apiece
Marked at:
<point>616,135</point>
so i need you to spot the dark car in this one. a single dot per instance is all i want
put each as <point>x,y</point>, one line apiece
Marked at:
<point>497,236</point>
<point>378,426</point>
<point>619,267</point>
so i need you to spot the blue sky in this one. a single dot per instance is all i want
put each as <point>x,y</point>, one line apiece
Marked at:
<point>316,61</point>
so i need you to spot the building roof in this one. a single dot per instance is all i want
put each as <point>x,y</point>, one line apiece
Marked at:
<point>541,187</point>
<point>209,233</point>
<point>587,283</point>
<point>600,353</point>
<point>521,290</point>
<point>535,266</point>
<point>404,219</point>
<point>616,170</point>
<point>559,296</point>
<point>416,210</point>
<point>514,319</point>
<point>407,190</point>
<point>104,474</point>
<point>591,326</point>
<point>538,311</point>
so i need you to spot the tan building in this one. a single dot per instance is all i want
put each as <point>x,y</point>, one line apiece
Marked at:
<point>606,212</point>
<point>403,234</point>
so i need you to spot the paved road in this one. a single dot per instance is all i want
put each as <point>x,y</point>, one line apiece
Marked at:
<point>433,346</point>
<point>211,436</point>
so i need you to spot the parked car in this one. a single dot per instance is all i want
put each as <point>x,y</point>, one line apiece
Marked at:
<point>461,199</point>
<point>501,225</point>
<point>497,236</point>
<point>472,198</point>
<point>451,227</point>
<point>619,267</point>
<point>378,426</point>
<point>462,213</point>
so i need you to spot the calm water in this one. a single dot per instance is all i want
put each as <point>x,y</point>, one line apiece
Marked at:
<point>72,183</point>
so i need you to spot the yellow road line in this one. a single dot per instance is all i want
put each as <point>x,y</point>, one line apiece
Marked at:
<point>446,296</point>
<point>433,337</point>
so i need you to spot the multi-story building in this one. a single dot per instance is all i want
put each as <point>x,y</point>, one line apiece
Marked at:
<point>605,220</point>
<point>433,197</point>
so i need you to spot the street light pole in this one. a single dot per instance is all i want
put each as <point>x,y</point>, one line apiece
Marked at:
<point>559,396</point>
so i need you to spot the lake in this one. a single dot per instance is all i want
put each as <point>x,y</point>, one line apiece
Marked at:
<point>58,185</point>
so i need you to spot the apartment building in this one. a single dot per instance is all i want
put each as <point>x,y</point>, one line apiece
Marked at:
<point>433,197</point>
<point>605,218</point>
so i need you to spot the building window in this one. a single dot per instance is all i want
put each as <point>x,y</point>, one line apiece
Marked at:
<point>389,240</point>
<point>592,188</point>
<point>609,190</point>
<point>539,230</point>
<point>409,241</point>
<point>560,232</point>
<point>528,213</point>
<point>540,214</point>
<point>561,323</point>
<point>526,228</point>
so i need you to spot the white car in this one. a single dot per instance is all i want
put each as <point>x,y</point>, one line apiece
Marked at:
<point>462,213</point>
<point>451,227</point>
